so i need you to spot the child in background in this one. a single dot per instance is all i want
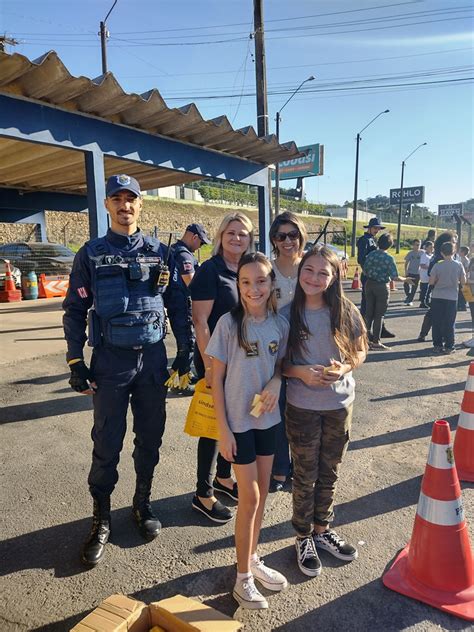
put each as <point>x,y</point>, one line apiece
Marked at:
<point>425,289</point>
<point>464,259</point>
<point>412,271</point>
<point>445,277</point>
<point>327,340</point>
<point>246,348</point>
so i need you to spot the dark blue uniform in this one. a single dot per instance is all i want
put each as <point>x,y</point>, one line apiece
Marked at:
<point>115,286</point>
<point>184,263</point>
<point>365,245</point>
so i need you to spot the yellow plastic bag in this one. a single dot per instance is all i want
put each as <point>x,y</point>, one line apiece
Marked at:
<point>467,291</point>
<point>201,420</point>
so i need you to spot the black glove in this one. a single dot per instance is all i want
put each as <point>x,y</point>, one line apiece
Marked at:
<point>182,362</point>
<point>80,377</point>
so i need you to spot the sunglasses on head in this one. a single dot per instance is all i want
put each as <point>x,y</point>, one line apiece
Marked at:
<point>293,235</point>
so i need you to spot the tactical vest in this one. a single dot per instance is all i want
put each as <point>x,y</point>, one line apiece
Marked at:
<point>128,310</point>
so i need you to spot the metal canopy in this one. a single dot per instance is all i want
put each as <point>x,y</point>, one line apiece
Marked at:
<point>61,136</point>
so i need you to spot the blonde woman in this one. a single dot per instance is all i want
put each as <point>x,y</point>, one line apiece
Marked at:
<point>214,293</point>
<point>288,237</point>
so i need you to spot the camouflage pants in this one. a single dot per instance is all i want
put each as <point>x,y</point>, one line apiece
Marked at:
<point>318,442</point>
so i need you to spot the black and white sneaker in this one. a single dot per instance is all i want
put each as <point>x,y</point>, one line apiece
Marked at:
<point>219,512</point>
<point>232,493</point>
<point>307,556</point>
<point>332,543</point>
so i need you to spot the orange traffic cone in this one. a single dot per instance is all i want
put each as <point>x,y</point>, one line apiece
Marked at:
<point>393,287</point>
<point>464,440</point>
<point>356,281</point>
<point>437,566</point>
<point>9,294</point>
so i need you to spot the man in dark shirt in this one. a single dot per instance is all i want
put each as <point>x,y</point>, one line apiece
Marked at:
<point>186,265</point>
<point>366,244</point>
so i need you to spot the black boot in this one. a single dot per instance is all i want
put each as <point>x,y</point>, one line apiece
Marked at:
<point>94,546</point>
<point>148,524</point>
<point>385,333</point>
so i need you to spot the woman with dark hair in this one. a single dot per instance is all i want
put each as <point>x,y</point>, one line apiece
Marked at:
<point>437,256</point>
<point>288,237</point>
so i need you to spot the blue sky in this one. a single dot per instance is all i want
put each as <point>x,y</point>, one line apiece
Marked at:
<point>362,54</point>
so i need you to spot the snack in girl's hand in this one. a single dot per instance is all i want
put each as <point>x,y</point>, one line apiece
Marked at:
<point>256,406</point>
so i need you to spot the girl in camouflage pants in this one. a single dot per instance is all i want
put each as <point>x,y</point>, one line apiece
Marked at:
<point>327,340</point>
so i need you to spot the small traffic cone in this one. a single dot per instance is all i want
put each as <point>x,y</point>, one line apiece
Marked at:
<point>464,440</point>
<point>9,294</point>
<point>356,281</point>
<point>393,287</point>
<point>437,565</point>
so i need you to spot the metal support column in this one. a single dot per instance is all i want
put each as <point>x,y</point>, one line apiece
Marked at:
<point>95,178</point>
<point>264,218</point>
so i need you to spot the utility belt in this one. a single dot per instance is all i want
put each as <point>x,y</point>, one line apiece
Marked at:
<point>129,330</point>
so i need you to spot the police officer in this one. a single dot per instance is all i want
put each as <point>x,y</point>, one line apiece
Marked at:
<point>366,244</point>
<point>186,265</point>
<point>119,284</point>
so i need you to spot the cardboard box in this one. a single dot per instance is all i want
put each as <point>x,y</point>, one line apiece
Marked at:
<point>119,613</point>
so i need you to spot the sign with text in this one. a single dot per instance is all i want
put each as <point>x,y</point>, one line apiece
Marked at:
<point>447,210</point>
<point>412,195</point>
<point>311,164</point>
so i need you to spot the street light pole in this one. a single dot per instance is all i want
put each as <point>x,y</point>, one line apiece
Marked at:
<point>356,183</point>
<point>399,224</point>
<point>103,39</point>
<point>277,166</point>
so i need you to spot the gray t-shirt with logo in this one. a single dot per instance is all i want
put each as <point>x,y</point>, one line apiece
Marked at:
<point>319,348</point>
<point>447,274</point>
<point>248,372</point>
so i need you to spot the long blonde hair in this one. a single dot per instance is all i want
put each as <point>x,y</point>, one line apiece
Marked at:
<point>233,217</point>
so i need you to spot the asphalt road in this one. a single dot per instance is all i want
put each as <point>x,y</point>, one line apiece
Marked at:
<point>46,448</point>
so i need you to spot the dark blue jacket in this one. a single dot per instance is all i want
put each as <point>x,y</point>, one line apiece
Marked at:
<point>365,244</point>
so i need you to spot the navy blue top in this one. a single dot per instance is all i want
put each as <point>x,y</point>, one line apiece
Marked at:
<point>214,281</point>
<point>365,245</point>
<point>80,296</point>
<point>185,263</point>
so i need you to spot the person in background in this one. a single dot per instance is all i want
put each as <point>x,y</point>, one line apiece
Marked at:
<point>445,277</point>
<point>437,256</point>
<point>431,236</point>
<point>412,271</point>
<point>379,268</point>
<point>463,258</point>
<point>288,237</point>
<point>469,295</point>
<point>425,288</point>
<point>186,264</point>
<point>213,294</point>
<point>366,244</point>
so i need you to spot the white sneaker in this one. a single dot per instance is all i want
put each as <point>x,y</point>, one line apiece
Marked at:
<point>247,595</point>
<point>268,577</point>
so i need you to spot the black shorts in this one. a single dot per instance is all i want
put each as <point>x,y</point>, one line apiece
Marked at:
<point>254,443</point>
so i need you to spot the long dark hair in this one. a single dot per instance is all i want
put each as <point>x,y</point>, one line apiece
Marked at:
<point>347,325</point>
<point>288,218</point>
<point>238,312</point>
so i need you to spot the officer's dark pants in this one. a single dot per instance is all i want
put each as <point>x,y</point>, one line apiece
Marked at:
<point>126,376</point>
<point>208,451</point>
<point>363,304</point>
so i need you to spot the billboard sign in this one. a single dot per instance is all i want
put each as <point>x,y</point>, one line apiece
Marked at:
<point>447,210</point>
<point>311,164</point>
<point>413,195</point>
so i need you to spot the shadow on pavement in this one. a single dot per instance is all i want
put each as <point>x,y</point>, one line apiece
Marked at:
<point>44,379</point>
<point>440,366</point>
<point>435,390</point>
<point>381,356</point>
<point>49,408</point>
<point>25,330</point>
<point>371,607</point>
<point>397,436</point>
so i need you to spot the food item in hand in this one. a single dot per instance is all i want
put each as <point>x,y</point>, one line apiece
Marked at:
<point>256,406</point>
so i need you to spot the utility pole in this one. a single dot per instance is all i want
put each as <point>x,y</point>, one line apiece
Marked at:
<point>4,40</point>
<point>262,104</point>
<point>260,69</point>
<point>104,35</point>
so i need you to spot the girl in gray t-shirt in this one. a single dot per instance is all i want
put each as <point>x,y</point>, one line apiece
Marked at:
<point>247,347</point>
<point>327,340</point>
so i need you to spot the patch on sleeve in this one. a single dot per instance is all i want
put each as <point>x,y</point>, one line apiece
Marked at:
<point>187,267</point>
<point>82,292</point>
